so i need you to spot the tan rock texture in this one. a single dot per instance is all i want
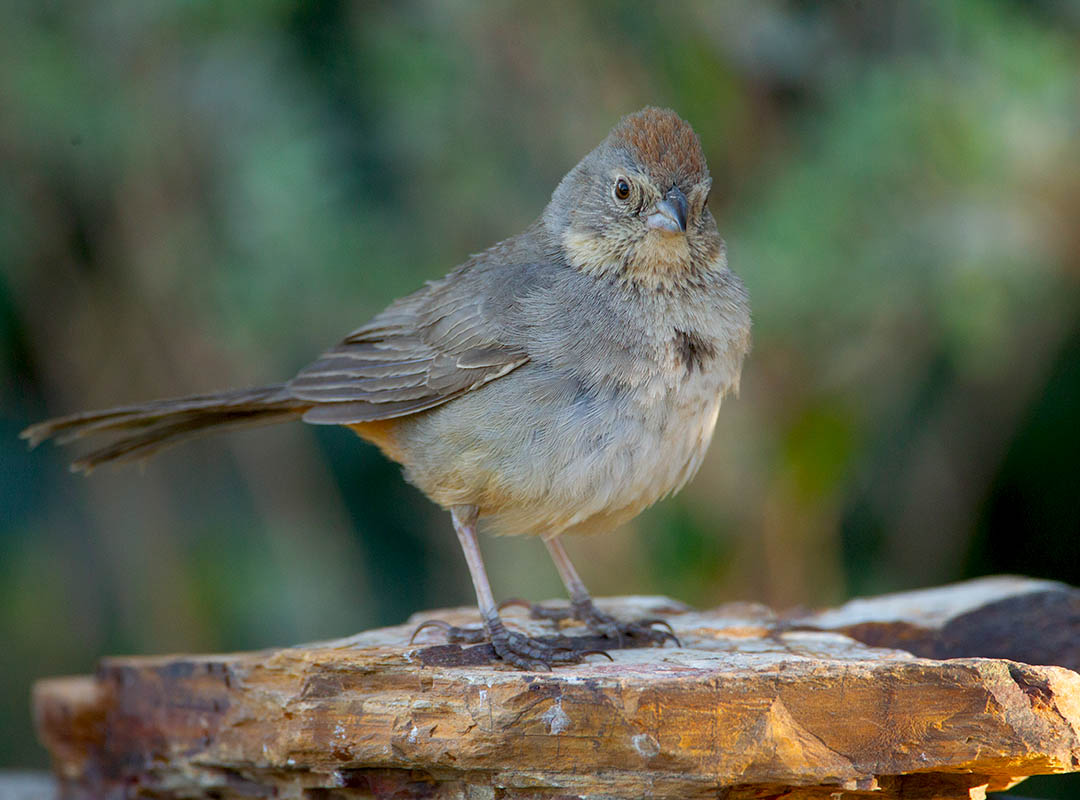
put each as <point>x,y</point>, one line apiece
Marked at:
<point>753,705</point>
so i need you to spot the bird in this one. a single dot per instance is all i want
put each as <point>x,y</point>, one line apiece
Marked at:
<point>557,383</point>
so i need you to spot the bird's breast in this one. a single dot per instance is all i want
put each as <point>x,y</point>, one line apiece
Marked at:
<point>587,457</point>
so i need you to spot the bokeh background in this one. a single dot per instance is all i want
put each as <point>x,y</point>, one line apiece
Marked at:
<point>198,195</point>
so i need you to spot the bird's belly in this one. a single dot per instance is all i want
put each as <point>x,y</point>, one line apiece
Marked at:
<point>544,459</point>
<point>654,449</point>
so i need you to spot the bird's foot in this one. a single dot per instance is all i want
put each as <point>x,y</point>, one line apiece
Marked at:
<point>454,634</point>
<point>524,652</point>
<point>637,633</point>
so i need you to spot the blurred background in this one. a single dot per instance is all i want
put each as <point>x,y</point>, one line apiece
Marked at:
<point>202,195</point>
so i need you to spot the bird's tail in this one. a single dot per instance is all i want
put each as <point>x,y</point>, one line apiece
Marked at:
<point>144,429</point>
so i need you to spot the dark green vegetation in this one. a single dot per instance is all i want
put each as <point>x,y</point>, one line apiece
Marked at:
<point>199,195</point>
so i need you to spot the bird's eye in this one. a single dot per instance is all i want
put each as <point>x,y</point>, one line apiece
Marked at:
<point>622,189</point>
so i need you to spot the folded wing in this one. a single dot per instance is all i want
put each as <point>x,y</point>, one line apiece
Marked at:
<point>422,351</point>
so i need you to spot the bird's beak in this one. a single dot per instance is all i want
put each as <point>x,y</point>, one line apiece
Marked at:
<point>670,213</point>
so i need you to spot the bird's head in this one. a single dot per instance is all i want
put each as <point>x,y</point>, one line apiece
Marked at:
<point>635,207</point>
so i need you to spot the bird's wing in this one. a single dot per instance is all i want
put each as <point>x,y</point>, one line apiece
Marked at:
<point>422,351</point>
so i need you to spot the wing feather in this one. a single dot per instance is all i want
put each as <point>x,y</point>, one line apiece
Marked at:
<point>422,351</point>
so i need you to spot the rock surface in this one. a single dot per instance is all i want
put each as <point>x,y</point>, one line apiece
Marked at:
<point>751,706</point>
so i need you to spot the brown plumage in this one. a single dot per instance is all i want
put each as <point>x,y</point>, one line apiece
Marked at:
<point>664,142</point>
<point>559,382</point>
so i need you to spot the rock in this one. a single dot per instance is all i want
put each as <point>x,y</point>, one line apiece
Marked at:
<point>753,705</point>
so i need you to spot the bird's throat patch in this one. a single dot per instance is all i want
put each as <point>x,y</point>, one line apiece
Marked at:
<point>655,259</point>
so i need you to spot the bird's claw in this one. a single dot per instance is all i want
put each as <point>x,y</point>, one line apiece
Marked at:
<point>647,628</point>
<point>513,601</point>
<point>454,633</point>
<point>628,634</point>
<point>532,654</point>
<point>522,651</point>
<point>537,611</point>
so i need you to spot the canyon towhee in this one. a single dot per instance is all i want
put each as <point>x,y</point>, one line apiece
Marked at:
<point>559,382</point>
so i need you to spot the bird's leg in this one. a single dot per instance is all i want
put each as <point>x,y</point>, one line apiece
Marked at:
<point>582,607</point>
<point>521,651</point>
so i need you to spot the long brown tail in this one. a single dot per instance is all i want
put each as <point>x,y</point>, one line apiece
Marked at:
<point>149,427</point>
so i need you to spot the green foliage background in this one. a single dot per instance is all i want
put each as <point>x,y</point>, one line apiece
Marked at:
<point>198,195</point>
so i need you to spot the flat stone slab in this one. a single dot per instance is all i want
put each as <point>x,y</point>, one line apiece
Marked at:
<point>753,705</point>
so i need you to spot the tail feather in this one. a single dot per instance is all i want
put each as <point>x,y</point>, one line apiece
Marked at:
<point>147,428</point>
